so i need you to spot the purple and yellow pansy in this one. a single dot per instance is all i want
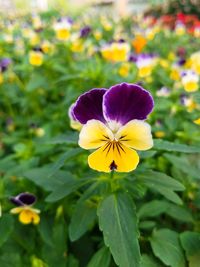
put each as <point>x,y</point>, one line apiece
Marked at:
<point>24,203</point>
<point>114,124</point>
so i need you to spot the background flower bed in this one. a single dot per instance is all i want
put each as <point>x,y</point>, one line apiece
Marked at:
<point>40,154</point>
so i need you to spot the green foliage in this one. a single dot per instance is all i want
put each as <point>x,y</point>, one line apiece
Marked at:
<point>191,244</point>
<point>100,258</point>
<point>118,221</point>
<point>166,246</point>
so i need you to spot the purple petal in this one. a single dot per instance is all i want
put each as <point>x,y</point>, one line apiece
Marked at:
<point>71,112</point>
<point>16,201</point>
<point>124,102</point>
<point>23,199</point>
<point>89,106</point>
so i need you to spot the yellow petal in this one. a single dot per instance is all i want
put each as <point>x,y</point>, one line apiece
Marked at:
<point>25,216</point>
<point>36,218</point>
<point>94,134</point>
<point>29,215</point>
<point>197,121</point>
<point>136,134</point>
<point>16,210</point>
<point>191,86</point>
<point>113,156</point>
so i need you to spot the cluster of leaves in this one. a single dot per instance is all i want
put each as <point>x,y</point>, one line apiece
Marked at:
<point>147,218</point>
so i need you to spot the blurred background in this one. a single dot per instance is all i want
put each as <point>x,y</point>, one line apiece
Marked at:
<point>122,7</point>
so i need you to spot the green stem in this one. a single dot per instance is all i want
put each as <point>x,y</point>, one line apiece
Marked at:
<point>112,184</point>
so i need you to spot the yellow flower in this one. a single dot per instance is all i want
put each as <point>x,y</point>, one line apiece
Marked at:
<point>35,39</point>
<point>145,71</point>
<point>37,23</point>
<point>62,30</point>
<point>164,63</point>
<point>114,148</point>
<point>195,62</point>
<point>77,46</point>
<point>159,134</point>
<point>97,35</point>
<point>27,214</point>
<point>175,74</point>
<point>116,52</point>
<point>124,70</point>
<point>35,58</point>
<point>46,46</point>
<point>190,81</point>
<point>197,121</point>
<point>180,29</point>
<point>111,127</point>
<point>171,56</point>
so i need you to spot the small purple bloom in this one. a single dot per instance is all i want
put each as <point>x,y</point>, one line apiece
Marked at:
<point>183,99</point>
<point>120,103</point>
<point>121,41</point>
<point>4,63</point>
<point>23,199</point>
<point>181,61</point>
<point>85,31</point>
<point>132,58</point>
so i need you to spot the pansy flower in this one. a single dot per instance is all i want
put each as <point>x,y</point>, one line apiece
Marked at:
<point>24,203</point>
<point>113,124</point>
<point>145,64</point>
<point>36,57</point>
<point>190,80</point>
<point>116,51</point>
<point>62,29</point>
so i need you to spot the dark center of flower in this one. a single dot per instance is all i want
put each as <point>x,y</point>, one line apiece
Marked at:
<point>113,166</point>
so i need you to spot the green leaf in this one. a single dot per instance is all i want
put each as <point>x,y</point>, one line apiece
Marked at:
<point>149,262</point>
<point>39,176</point>
<point>100,259</point>
<point>118,221</point>
<point>68,138</point>
<point>61,161</point>
<point>45,230</point>
<point>157,207</point>
<point>165,245</point>
<point>191,244</point>
<point>153,208</point>
<point>184,165</point>
<point>82,219</point>
<point>10,259</point>
<point>179,213</point>
<point>6,227</point>
<point>72,261</point>
<point>169,146</point>
<point>147,224</point>
<point>65,189</point>
<point>36,81</point>
<point>163,184</point>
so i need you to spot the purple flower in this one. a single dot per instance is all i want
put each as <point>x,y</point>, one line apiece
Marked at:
<point>113,121</point>
<point>4,63</point>
<point>132,58</point>
<point>181,61</point>
<point>24,203</point>
<point>85,31</point>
